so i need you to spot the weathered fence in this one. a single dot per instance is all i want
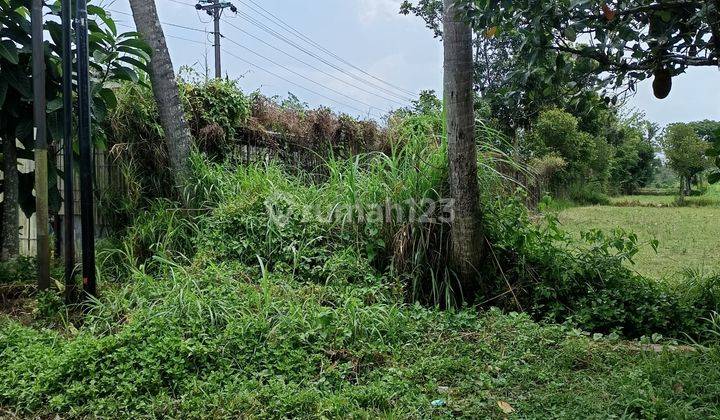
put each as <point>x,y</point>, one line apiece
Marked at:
<point>252,147</point>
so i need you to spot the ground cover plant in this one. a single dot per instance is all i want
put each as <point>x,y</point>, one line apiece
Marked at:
<point>254,306</point>
<point>269,260</point>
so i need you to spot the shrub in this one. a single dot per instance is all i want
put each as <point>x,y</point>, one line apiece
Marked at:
<point>18,270</point>
<point>587,193</point>
<point>215,109</point>
<point>588,284</point>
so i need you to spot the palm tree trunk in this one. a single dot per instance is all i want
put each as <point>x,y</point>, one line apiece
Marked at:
<point>10,247</point>
<point>462,153</point>
<point>165,88</point>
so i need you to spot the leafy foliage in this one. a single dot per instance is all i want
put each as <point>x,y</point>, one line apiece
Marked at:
<point>633,40</point>
<point>253,305</point>
<point>114,56</point>
<point>216,110</point>
<point>619,158</point>
<point>226,313</point>
<point>710,132</point>
<point>685,151</point>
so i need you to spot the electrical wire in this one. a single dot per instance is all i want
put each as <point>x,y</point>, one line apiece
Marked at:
<point>265,70</point>
<point>281,37</point>
<point>188,28</point>
<point>298,85</point>
<point>292,30</point>
<point>337,92</point>
<point>309,40</point>
<point>311,65</point>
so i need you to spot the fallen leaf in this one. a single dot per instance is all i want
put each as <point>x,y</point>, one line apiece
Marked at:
<point>505,407</point>
<point>491,32</point>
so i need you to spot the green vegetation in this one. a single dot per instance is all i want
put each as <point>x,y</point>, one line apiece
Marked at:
<point>686,229</point>
<point>227,313</point>
<point>688,237</point>
<point>228,341</point>
<point>287,293</point>
<point>685,151</point>
<point>322,280</point>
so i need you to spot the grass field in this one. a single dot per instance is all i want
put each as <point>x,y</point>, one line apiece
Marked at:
<point>689,236</point>
<point>665,201</point>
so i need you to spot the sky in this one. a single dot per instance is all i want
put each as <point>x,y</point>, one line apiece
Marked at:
<point>393,56</point>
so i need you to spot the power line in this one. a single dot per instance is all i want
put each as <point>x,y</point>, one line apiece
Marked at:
<point>188,28</point>
<point>337,92</point>
<point>183,3</point>
<point>194,41</point>
<point>271,73</point>
<point>297,84</point>
<point>311,65</point>
<point>283,38</point>
<point>309,40</point>
<point>290,29</point>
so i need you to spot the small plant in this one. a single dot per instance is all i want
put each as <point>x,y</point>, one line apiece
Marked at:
<point>20,270</point>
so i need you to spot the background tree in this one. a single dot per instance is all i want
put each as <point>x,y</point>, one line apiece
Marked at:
<point>514,89</point>
<point>556,133</point>
<point>165,88</point>
<point>685,151</point>
<point>460,118</point>
<point>710,131</point>
<point>521,76</point>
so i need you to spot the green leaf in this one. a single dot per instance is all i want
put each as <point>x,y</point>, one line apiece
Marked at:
<point>18,80</point>
<point>8,51</point>
<point>137,63</point>
<point>136,43</point>
<point>108,95</point>
<point>26,184</point>
<point>124,73</point>
<point>570,34</point>
<point>714,178</point>
<point>3,91</point>
<point>107,20</point>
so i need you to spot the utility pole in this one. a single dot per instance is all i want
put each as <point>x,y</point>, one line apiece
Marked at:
<point>215,8</point>
<point>216,33</point>
<point>86,169</point>
<point>69,216</point>
<point>41,152</point>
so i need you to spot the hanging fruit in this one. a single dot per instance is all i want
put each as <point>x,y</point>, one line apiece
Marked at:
<point>662,84</point>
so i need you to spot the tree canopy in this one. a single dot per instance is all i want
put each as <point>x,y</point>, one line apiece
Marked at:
<point>625,40</point>
<point>685,151</point>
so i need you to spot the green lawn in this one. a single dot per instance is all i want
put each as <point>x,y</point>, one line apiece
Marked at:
<point>689,236</point>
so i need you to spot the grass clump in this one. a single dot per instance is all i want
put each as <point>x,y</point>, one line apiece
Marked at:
<point>273,297</point>
<point>228,340</point>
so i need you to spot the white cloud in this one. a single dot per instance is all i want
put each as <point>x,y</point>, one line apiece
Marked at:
<point>373,10</point>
